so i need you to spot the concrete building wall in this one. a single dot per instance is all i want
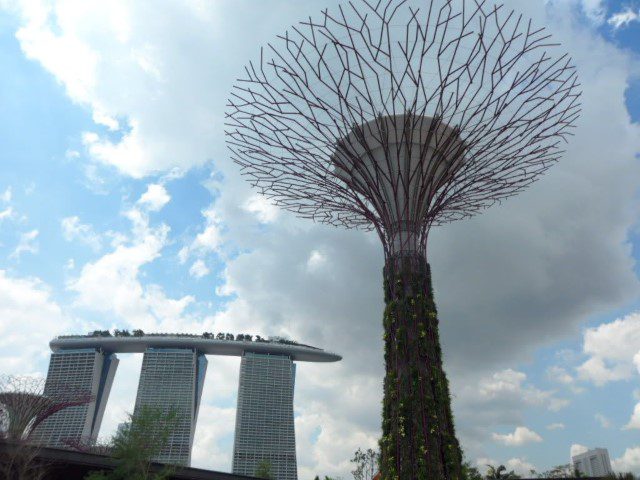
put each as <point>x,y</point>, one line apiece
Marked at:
<point>172,379</point>
<point>85,370</point>
<point>264,417</point>
<point>593,463</point>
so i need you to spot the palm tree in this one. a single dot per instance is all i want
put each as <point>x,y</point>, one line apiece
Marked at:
<point>500,473</point>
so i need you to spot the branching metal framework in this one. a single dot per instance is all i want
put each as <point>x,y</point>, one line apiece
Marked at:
<point>478,98</point>
<point>23,405</point>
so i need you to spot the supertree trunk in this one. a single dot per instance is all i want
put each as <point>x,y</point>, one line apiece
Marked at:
<point>418,439</point>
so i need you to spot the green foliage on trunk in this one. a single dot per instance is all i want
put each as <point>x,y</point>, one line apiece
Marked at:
<point>418,441</point>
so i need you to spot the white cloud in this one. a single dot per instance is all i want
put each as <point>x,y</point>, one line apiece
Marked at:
<point>628,462</point>
<point>624,18</point>
<point>560,375</point>
<point>262,208</point>
<point>103,119</point>
<point>634,421</point>
<point>111,284</point>
<point>199,269</point>
<point>511,383</point>
<point>602,420</point>
<point>594,9</point>
<point>577,449</point>
<point>29,319</point>
<point>556,426</point>
<point>72,229</point>
<point>155,197</point>
<point>483,404</point>
<point>611,348</point>
<point>7,213</point>
<point>26,244</point>
<point>520,436</point>
<point>207,241</point>
<point>520,466</point>
<point>6,195</point>
<point>316,260</point>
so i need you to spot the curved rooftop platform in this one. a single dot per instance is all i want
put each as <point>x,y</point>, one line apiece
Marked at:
<point>210,346</point>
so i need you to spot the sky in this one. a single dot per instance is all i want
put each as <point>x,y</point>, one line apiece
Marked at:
<point>120,208</point>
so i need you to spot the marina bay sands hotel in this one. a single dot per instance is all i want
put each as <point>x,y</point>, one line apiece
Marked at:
<point>172,377</point>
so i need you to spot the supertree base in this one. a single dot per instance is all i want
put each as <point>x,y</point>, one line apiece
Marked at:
<point>418,436</point>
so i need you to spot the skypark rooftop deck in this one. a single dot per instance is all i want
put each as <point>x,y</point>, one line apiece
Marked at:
<point>210,346</point>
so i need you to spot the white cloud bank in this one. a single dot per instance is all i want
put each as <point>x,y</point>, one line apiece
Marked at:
<point>612,349</point>
<point>628,462</point>
<point>29,319</point>
<point>521,436</point>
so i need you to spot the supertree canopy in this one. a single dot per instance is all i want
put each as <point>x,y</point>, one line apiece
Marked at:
<point>24,405</point>
<point>399,115</point>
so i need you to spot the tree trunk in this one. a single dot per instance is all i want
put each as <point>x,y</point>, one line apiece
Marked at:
<point>418,438</point>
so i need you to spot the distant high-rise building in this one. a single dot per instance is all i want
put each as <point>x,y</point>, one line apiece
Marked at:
<point>264,417</point>
<point>87,370</point>
<point>172,379</point>
<point>593,463</point>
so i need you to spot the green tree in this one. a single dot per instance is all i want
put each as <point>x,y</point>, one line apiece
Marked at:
<point>135,445</point>
<point>470,472</point>
<point>264,470</point>
<point>500,473</point>
<point>367,464</point>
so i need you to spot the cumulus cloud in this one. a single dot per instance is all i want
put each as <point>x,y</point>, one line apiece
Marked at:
<point>155,197</point>
<point>112,284</point>
<point>612,349</point>
<point>199,269</point>
<point>262,208</point>
<point>495,400</point>
<point>577,449</point>
<point>73,229</point>
<point>521,436</point>
<point>24,304</point>
<point>628,462</point>
<point>207,241</point>
<point>634,421</point>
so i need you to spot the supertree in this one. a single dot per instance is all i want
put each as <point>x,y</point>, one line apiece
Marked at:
<point>400,115</point>
<point>24,405</point>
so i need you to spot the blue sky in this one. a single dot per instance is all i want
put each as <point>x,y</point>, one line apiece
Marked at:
<point>119,207</point>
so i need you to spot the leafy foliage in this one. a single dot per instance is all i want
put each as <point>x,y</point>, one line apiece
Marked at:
<point>469,472</point>
<point>135,445</point>
<point>500,472</point>
<point>264,470</point>
<point>367,464</point>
